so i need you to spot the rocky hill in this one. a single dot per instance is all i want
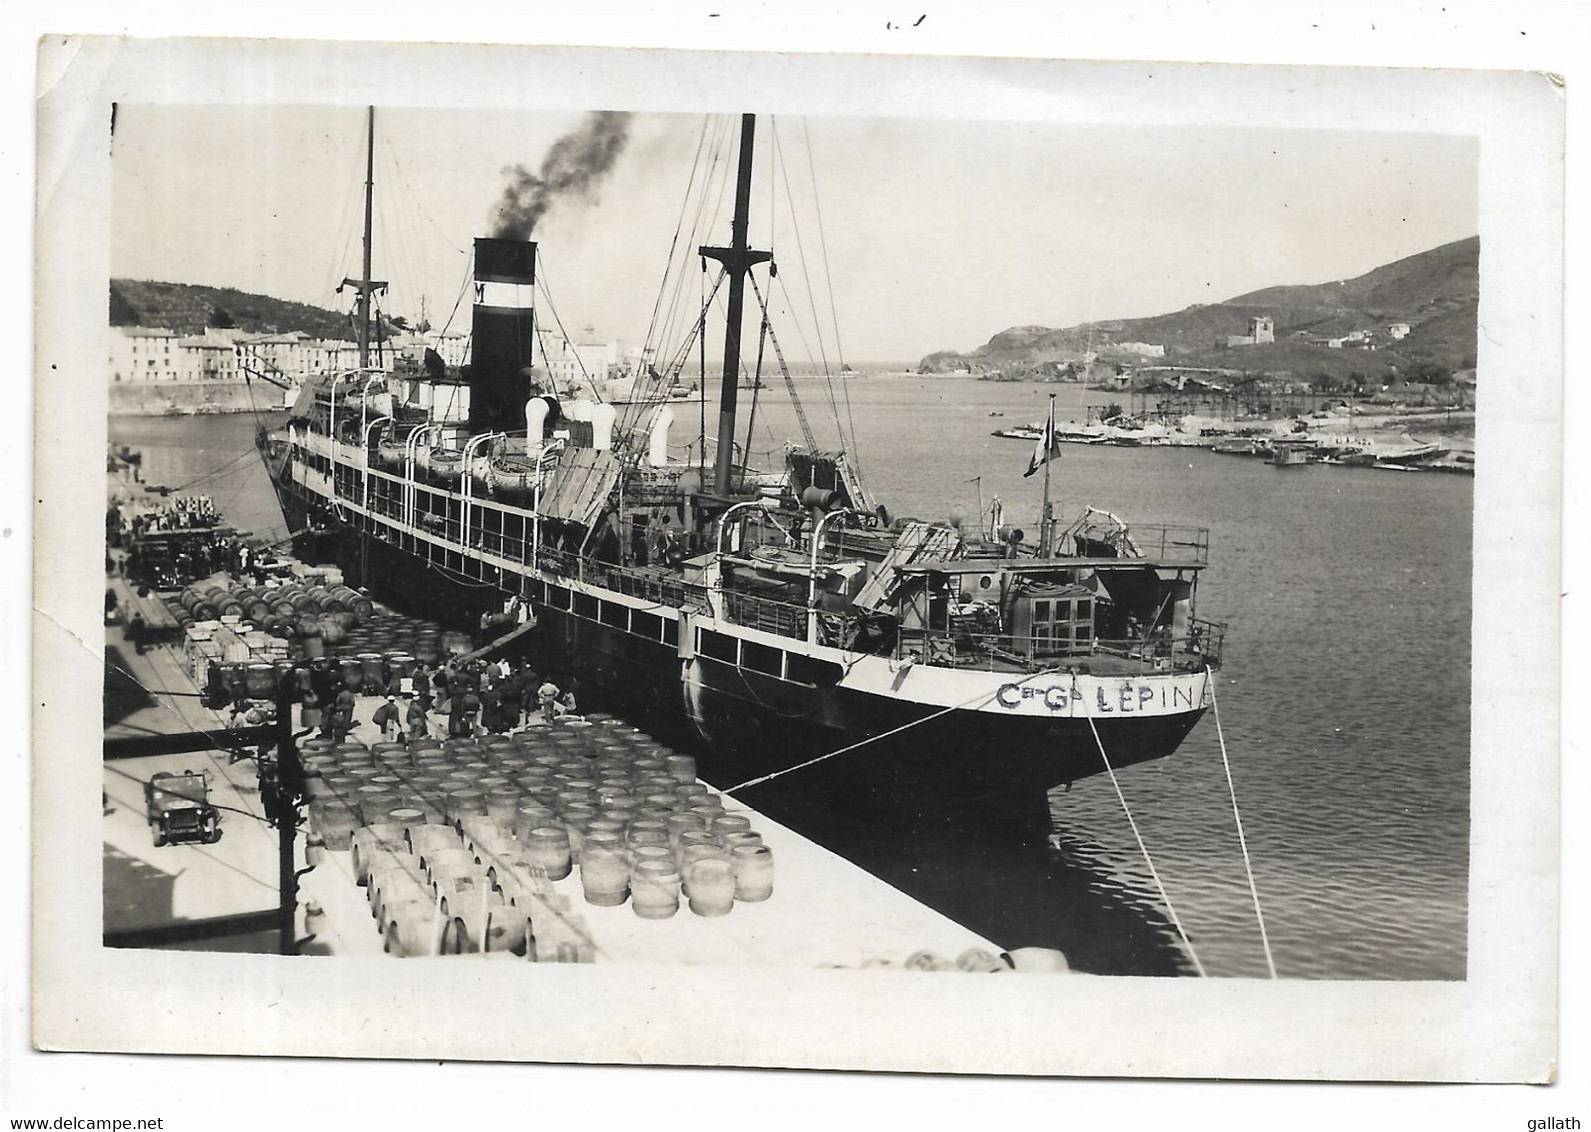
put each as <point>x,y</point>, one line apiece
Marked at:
<point>1435,293</point>
<point>189,309</point>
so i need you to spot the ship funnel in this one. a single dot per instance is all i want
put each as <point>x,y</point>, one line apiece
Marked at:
<point>503,330</point>
<point>603,418</point>
<point>657,447</point>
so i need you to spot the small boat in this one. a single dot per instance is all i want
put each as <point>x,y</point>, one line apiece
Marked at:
<point>1289,456</point>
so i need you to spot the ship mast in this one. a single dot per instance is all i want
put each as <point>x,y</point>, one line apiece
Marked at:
<point>364,283</point>
<point>737,259</point>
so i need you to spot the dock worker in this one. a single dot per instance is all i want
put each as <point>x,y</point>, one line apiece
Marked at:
<point>508,704</point>
<point>388,718</point>
<point>309,709</point>
<point>342,715</point>
<point>565,704</point>
<point>136,632</point>
<point>492,708</point>
<point>470,704</point>
<point>548,695</point>
<point>416,721</point>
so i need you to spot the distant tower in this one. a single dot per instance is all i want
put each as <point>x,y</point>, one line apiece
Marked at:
<point>1262,329</point>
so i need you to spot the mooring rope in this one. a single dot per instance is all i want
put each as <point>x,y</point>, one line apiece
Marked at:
<point>1237,818</point>
<point>1144,849</point>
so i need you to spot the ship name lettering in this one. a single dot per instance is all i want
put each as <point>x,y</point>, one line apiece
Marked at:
<point>1056,697</point>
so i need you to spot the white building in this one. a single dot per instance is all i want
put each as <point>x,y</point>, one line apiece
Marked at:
<point>144,353</point>
<point>211,356</point>
<point>574,367</point>
<point>296,356</point>
<point>454,348</point>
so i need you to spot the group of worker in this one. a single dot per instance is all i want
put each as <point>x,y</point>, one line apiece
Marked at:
<point>451,701</point>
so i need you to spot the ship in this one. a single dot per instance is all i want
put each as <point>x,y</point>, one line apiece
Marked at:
<point>873,683</point>
<point>1287,454</point>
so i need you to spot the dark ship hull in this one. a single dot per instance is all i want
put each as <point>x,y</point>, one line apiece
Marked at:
<point>939,775</point>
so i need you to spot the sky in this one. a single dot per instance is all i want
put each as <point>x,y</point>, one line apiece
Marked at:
<point>932,234</point>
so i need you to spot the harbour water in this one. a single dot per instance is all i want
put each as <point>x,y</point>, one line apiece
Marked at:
<point>1344,697</point>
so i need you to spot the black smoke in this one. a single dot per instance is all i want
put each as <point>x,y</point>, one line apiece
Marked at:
<point>575,165</point>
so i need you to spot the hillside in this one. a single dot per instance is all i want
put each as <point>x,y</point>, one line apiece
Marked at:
<point>1435,292</point>
<point>189,309</point>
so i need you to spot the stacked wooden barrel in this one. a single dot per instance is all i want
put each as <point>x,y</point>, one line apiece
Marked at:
<point>318,621</point>
<point>593,801</point>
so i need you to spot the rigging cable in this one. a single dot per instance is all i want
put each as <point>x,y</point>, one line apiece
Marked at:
<point>817,325</point>
<point>756,389</point>
<point>660,343</point>
<point>828,279</point>
<point>541,281</point>
<point>668,262</point>
<point>1237,818</point>
<point>1165,897</point>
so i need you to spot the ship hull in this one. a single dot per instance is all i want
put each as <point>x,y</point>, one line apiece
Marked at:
<point>940,769</point>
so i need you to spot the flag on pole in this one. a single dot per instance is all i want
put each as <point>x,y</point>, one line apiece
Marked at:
<point>1047,446</point>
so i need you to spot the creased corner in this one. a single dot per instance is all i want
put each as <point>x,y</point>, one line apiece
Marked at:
<point>56,54</point>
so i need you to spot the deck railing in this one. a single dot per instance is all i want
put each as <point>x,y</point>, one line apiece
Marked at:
<point>786,619</point>
<point>1006,651</point>
<point>1160,542</point>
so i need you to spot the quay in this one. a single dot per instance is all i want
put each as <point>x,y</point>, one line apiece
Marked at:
<point>225,895</point>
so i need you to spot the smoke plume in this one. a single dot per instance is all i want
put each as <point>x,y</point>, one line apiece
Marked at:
<point>575,165</point>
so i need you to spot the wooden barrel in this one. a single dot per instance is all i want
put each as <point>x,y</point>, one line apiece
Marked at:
<point>728,823</point>
<point>753,866</point>
<point>712,886</point>
<point>502,805</point>
<point>605,870</point>
<point>654,889</point>
<point>529,816</point>
<point>335,820</point>
<point>547,847</point>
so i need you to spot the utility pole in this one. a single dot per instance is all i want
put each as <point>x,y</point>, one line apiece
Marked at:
<point>282,795</point>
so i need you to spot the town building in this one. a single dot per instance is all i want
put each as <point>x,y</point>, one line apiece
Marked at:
<point>156,354</point>
<point>575,366</point>
<point>1261,332</point>
<point>144,353</point>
